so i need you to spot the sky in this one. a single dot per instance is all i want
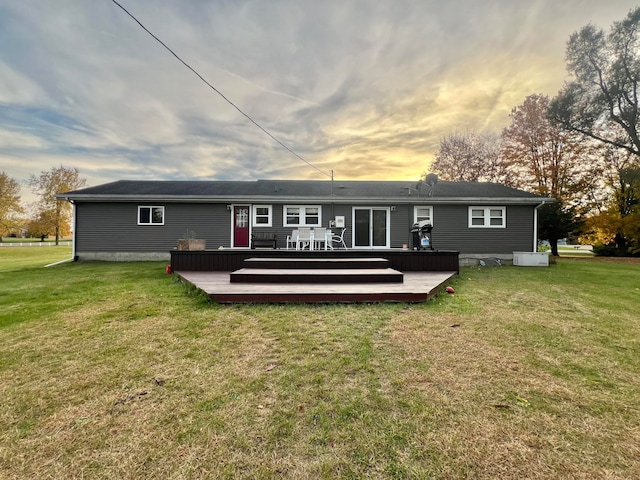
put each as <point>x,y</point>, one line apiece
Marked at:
<point>366,89</point>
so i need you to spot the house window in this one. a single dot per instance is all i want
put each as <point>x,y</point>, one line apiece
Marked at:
<point>302,215</point>
<point>487,217</point>
<point>150,215</point>
<point>262,215</point>
<point>423,213</point>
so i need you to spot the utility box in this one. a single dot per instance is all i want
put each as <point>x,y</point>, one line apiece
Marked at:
<point>531,259</point>
<point>339,222</point>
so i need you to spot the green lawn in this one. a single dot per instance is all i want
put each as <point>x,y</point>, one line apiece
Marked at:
<point>571,251</point>
<point>119,371</point>
<point>12,258</point>
<point>32,240</point>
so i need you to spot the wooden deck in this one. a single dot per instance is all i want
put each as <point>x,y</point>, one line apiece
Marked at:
<point>344,276</point>
<point>417,287</point>
<point>315,276</point>
<point>228,260</point>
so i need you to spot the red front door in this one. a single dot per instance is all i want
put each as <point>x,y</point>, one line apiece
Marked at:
<point>240,226</point>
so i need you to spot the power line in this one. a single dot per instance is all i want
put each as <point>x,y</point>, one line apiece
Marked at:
<point>220,93</point>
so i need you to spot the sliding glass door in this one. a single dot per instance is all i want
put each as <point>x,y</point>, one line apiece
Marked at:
<point>371,227</point>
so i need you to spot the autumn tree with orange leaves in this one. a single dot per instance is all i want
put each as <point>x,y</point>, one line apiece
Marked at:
<point>613,224</point>
<point>545,159</point>
<point>53,214</point>
<point>10,206</point>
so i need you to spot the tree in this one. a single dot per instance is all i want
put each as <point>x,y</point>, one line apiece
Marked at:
<point>10,206</point>
<point>617,224</point>
<point>614,219</point>
<point>544,158</point>
<point>54,214</point>
<point>556,221</point>
<point>627,201</point>
<point>43,224</point>
<point>469,158</point>
<point>605,86</point>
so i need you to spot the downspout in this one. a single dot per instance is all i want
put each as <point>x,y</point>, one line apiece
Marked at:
<point>535,226</point>
<point>73,239</point>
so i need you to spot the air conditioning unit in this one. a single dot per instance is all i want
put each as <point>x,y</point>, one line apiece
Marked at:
<point>531,259</point>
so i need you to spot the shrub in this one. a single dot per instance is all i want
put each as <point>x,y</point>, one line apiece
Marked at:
<point>608,250</point>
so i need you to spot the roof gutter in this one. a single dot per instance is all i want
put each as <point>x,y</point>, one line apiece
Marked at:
<point>307,199</point>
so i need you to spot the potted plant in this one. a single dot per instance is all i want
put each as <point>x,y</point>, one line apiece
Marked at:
<point>190,242</point>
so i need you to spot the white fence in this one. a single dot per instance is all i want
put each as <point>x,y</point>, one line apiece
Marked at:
<point>34,244</point>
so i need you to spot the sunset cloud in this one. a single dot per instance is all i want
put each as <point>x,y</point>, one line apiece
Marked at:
<point>366,89</point>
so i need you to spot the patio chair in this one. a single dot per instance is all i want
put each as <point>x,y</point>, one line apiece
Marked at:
<point>304,239</point>
<point>339,239</point>
<point>292,240</point>
<point>320,237</point>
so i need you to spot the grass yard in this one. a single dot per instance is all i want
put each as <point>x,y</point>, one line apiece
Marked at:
<point>118,371</point>
<point>17,258</point>
<point>572,251</point>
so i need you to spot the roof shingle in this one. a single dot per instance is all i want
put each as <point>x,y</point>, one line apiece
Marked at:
<point>351,189</point>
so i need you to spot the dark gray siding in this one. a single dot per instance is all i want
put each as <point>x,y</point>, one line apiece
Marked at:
<point>113,227</point>
<point>451,231</point>
<point>401,221</point>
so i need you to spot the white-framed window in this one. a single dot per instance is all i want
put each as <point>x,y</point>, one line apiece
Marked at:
<point>422,213</point>
<point>262,215</point>
<point>302,215</point>
<point>487,217</point>
<point>150,215</point>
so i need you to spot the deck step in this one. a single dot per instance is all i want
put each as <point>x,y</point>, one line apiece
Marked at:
<point>417,287</point>
<point>322,297</point>
<point>317,275</point>
<point>316,263</point>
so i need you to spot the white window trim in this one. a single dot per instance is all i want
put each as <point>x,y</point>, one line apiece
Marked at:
<point>487,216</point>
<point>254,216</point>
<point>151,207</point>
<point>303,216</point>
<point>415,213</point>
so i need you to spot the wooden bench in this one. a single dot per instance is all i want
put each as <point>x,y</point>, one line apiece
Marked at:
<point>263,239</point>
